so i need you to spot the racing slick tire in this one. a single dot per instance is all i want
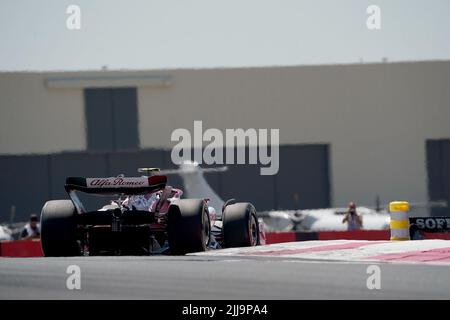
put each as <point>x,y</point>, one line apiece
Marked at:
<point>59,229</point>
<point>189,226</point>
<point>240,225</point>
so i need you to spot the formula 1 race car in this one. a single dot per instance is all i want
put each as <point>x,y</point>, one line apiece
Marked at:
<point>145,217</point>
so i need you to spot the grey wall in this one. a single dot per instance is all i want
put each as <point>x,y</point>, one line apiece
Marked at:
<point>29,181</point>
<point>25,184</point>
<point>438,165</point>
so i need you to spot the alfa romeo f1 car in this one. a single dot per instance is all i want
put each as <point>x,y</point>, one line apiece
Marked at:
<point>146,217</point>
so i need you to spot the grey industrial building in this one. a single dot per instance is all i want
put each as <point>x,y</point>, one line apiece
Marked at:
<point>347,132</point>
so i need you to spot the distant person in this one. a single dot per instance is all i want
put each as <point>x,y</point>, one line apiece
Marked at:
<point>32,229</point>
<point>352,218</point>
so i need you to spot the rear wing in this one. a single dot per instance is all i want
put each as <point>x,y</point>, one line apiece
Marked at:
<point>116,185</point>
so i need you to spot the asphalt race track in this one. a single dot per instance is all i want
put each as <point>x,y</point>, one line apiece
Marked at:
<point>203,277</point>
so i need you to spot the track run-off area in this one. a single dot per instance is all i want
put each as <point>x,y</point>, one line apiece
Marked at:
<point>339,269</point>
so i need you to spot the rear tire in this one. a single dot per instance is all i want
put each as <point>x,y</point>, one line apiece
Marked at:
<point>59,229</point>
<point>188,226</point>
<point>240,225</point>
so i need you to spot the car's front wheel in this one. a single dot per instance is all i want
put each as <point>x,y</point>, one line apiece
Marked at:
<point>240,225</point>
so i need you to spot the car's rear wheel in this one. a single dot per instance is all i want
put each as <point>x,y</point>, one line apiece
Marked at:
<point>189,227</point>
<point>240,225</point>
<point>59,229</point>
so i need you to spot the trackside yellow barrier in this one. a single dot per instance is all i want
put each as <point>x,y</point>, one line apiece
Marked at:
<point>399,220</point>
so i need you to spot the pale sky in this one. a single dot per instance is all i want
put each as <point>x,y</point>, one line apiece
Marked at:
<point>159,34</point>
